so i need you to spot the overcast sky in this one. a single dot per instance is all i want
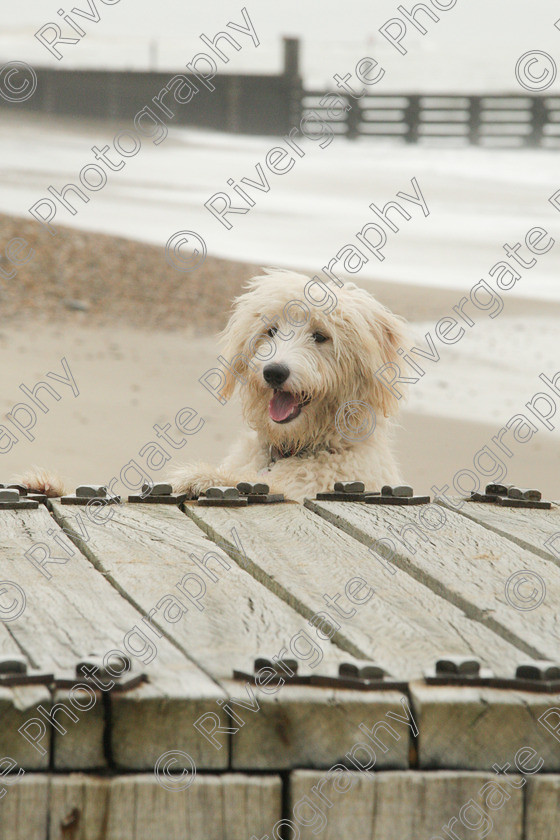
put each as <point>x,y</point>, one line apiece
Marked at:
<point>475,45</point>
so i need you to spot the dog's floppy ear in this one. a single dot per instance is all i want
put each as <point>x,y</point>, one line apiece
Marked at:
<point>235,339</point>
<point>390,334</point>
<point>243,328</point>
<point>393,338</point>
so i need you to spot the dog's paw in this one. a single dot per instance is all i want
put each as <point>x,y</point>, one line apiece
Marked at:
<point>196,480</point>
<point>42,481</point>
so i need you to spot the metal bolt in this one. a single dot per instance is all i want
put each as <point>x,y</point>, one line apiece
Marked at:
<point>257,489</point>
<point>14,664</point>
<point>348,669</point>
<point>222,493</point>
<point>21,488</point>
<point>539,669</point>
<point>162,489</point>
<point>9,495</point>
<point>496,489</point>
<point>260,488</point>
<point>524,493</point>
<point>364,672</point>
<point>287,665</point>
<point>349,486</point>
<point>95,663</point>
<point>458,665</point>
<point>400,490</point>
<point>91,491</point>
<point>280,666</point>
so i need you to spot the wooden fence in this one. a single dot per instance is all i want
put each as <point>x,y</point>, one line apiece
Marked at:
<point>264,104</point>
<point>269,104</point>
<point>504,120</point>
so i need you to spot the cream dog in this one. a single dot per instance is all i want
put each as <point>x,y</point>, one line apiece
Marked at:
<point>315,410</point>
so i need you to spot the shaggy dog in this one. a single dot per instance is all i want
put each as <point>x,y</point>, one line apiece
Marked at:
<point>315,410</point>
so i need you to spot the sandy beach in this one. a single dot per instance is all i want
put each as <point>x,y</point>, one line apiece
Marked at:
<point>137,334</point>
<point>131,379</point>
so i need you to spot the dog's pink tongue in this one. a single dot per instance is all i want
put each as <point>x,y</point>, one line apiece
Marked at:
<point>282,405</point>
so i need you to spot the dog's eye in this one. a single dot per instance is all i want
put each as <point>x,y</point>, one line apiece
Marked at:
<point>319,338</point>
<point>272,332</point>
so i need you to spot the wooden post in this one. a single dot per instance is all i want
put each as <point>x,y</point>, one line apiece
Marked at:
<point>112,102</point>
<point>539,118</point>
<point>50,106</point>
<point>412,119</point>
<point>291,57</point>
<point>353,120</point>
<point>293,82</point>
<point>475,107</point>
<point>233,92</point>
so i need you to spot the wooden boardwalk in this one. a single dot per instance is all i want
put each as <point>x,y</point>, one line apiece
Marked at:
<point>192,594</point>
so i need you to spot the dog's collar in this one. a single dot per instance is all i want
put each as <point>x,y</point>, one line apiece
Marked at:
<point>276,453</point>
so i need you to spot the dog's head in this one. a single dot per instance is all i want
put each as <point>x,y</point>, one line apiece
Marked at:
<point>299,364</point>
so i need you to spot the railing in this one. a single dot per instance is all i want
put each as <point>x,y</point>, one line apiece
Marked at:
<point>504,120</point>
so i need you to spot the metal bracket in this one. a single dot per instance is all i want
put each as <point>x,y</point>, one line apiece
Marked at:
<point>533,675</point>
<point>158,494</point>
<point>349,491</point>
<point>85,493</point>
<point>32,677</point>
<point>124,682</point>
<point>511,496</point>
<point>222,497</point>
<point>14,671</point>
<point>23,490</point>
<point>458,670</point>
<point>258,493</point>
<point>368,677</point>
<point>21,504</point>
<point>15,498</point>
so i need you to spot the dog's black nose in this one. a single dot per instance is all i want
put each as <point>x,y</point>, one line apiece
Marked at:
<point>275,374</point>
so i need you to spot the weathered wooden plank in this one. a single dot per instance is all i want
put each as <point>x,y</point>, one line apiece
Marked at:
<point>145,550</point>
<point>77,612</point>
<point>19,703</point>
<point>79,806</point>
<point>312,727</point>
<point>409,804</point>
<point>24,809</point>
<point>542,807</point>
<point>528,528</point>
<point>474,728</point>
<point>467,564</point>
<point>17,706</point>
<point>303,558</point>
<point>137,807</point>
